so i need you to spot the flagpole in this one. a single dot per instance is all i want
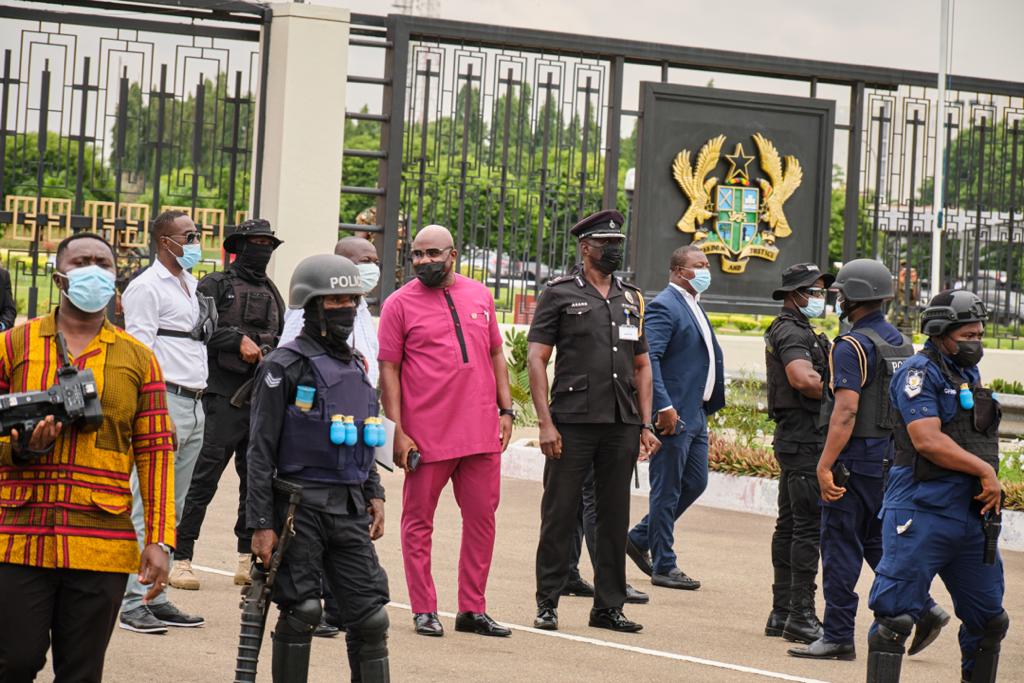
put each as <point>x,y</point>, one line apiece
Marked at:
<point>940,153</point>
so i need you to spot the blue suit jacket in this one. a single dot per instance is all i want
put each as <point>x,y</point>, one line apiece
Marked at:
<point>679,358</point>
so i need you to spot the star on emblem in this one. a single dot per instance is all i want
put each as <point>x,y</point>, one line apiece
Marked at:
<point>738,163</point>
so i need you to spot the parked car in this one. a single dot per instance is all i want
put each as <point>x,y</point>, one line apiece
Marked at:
<point>1005,303</point>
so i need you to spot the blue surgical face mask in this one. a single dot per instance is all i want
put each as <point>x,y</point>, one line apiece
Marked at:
<point>369,273</point>
<point>701,279</point>
<point>190,256</point>
<point>89,288</point>
<point>814,308</point>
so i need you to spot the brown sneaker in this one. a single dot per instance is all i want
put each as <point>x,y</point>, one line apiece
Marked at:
<point>242,570</point>
<point>183,577</point>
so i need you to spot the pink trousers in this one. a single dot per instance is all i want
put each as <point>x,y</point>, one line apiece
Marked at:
<point>476,480</point>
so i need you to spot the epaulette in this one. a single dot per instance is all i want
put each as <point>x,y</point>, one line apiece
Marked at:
<point>562,279</point>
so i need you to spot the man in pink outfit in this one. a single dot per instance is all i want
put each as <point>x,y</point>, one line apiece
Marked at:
<point>444,382</point>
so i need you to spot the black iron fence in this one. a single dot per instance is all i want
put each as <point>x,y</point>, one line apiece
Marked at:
<point>107,120</point>
<point>508,136</point>
<point>983,189</point>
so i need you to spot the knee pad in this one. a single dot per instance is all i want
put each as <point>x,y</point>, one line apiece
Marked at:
<point>994,631</point>
<point>372,634</point>
<point>986,656</point>
<point>889,634</point>
<point>885,647</point>
<point>297,622</point>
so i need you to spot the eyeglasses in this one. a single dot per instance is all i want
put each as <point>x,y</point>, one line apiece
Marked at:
<point>817,292</point>
<point>417,254</point>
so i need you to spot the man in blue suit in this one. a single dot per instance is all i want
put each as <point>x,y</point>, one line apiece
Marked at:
<point>688,386</point>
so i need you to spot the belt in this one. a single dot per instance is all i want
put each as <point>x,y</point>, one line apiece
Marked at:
<point>177,389</point>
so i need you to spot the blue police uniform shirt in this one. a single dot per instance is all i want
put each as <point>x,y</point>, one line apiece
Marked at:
<point>949,495</point>
<point>864,455</point>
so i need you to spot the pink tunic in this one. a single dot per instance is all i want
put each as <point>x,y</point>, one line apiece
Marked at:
<point>449,396</point>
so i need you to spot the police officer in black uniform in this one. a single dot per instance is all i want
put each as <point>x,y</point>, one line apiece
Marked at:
<point>297,391</point>
<point>600,416</point>
<point>796,358</point>
<point>249,323</point>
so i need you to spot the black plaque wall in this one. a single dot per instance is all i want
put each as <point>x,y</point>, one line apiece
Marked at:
<point>674,118</point>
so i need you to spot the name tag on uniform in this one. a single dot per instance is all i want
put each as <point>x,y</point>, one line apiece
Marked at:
<point>629,333</point>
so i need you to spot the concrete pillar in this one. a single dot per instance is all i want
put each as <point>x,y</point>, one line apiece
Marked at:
<point>305,125</point>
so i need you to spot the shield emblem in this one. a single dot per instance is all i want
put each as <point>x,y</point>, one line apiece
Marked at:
<point>736,216</point>
<point>914,383</point>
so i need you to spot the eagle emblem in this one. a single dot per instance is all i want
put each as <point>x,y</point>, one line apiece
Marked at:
<point>914,384</point>
<point>736,218</point>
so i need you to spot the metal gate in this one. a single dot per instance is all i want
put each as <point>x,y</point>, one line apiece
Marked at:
<point>107,119</point>
<point>507,136</point>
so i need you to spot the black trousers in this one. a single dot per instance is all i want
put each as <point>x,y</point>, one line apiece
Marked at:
<point>797,538</point>
<point>76,609</point>
<point>586,528</point>
<point>334,548</point>
<point>226,434</point>
<point>610,451</point>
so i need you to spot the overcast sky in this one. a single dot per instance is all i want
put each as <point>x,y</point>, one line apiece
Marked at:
<point>895,33</point>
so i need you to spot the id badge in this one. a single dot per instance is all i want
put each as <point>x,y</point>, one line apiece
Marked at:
<point>629,333</point>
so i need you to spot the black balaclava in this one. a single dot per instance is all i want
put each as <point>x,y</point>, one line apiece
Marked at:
<point>330,327</point>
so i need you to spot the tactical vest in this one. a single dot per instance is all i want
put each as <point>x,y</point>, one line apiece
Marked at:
<point>876,415</point>
<point>782,396</point>
<point>255,310</point>
<point>305,448</point>
<point>975,430</point>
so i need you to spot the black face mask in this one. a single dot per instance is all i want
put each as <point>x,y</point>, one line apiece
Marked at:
<point>432,274</point>
<point>331,327</point>
<point>255,257</point>
<point>611,259</point>
<point>968,353</point>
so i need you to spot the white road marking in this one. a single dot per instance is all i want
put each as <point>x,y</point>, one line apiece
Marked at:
<point>641,650</point>
<point>212,570</point>
<point>602,643</point>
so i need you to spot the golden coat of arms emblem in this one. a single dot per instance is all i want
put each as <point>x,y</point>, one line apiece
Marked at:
<point>735,218</point>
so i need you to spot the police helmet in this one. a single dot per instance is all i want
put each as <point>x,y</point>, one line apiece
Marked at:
<point>323,275</point>
<point>864,279</point>
<point>951,309</point>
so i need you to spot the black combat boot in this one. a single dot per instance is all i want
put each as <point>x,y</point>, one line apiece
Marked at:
<point>803,626</point>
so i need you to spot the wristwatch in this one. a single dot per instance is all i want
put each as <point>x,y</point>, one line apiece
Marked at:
<point>650,427</point>
<point>507,411</point>
<point>166,548</point>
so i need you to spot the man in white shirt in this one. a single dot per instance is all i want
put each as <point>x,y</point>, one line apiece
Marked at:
<point>364,334</point>
<point>162,310</point>
<point>686,363</point>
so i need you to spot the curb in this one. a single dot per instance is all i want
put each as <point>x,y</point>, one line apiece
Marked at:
<point>755,495</point>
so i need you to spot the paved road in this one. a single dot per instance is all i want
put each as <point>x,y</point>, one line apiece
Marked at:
<point>710,635</point>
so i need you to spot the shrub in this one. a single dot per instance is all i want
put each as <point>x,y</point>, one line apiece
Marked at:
<point>1002,386</point>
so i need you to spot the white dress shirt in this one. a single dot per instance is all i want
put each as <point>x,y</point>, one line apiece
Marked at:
<point>705,330</point>
<point>156,299</point>
<point>363,338</point>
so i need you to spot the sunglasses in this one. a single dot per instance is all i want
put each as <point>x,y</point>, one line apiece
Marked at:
<point>814,291</point>
<point>190,237</point>
<point>417,254</point>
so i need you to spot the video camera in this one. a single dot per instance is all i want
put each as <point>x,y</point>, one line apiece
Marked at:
<point>73,400</point>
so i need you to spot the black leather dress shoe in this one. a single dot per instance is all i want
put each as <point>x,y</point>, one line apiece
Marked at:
<point>547,618</point>
<point>642,558</point>
<point>427,624</point>
<point>578,587</point>
<point>822,649</point>
<point>635,597</point>
<point>481,624</point>
<point>776,622</point>
<point>675,579</point>
<point>325,630</point>
<point>803,626</point>
<point>614,620</point>
<point>927,629</point>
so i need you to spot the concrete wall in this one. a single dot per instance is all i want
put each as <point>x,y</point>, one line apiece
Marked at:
<point>305,123</point>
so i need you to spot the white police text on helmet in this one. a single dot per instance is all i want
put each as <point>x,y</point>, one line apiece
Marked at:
<point>346,281</point>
